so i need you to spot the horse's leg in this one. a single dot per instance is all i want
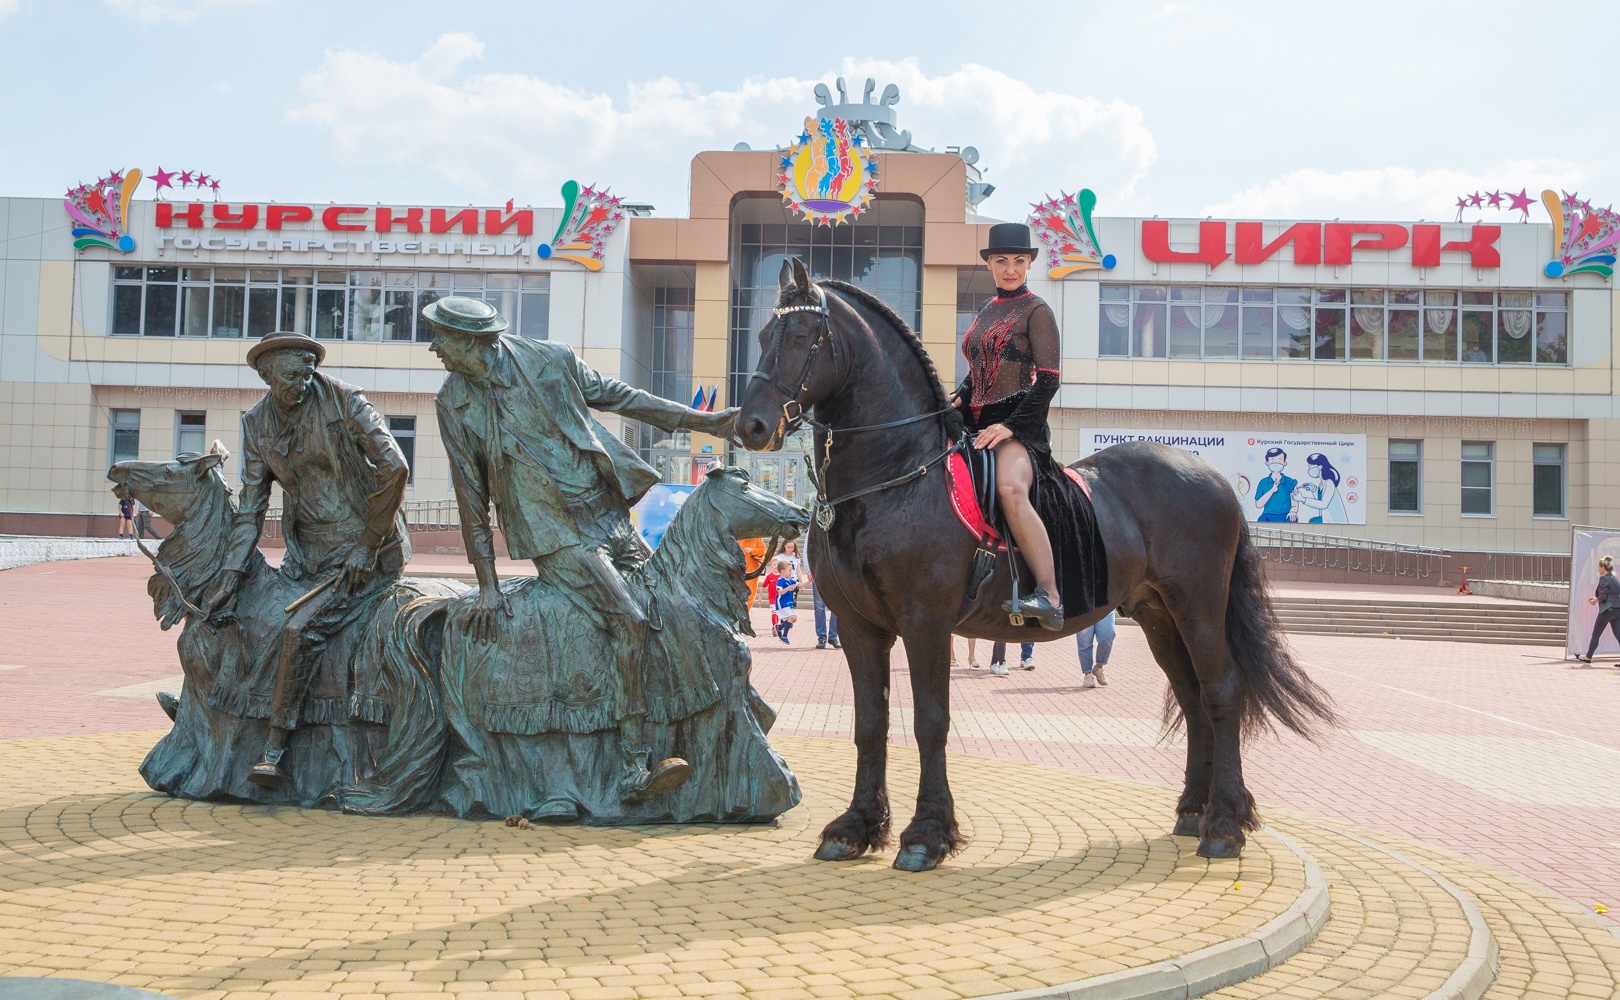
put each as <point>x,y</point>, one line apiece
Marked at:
<point>1200,616</point>
<point>1172,656</point>
<point>864,826</point>
<point>932,834</point>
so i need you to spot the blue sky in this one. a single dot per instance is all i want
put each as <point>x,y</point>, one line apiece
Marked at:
<point>1247,109</point>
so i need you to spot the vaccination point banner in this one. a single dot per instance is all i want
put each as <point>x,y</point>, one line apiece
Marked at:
<point>1586,548</point>
<point>1281,479</point>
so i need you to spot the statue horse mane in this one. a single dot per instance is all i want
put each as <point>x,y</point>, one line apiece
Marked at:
<point>701,554</point>
<point>194,552</point>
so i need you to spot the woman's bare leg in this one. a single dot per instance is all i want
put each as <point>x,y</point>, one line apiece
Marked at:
<point>1015,474</point>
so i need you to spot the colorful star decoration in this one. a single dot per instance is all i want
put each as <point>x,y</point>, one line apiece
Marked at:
<point>589,217</point>
<point>1498,200</point>
<point>1586,237</point>
<point>100,211</point>
<point>1063,224</point>
<point>170,180</point>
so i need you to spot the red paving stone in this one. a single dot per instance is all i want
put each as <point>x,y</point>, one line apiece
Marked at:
<point>1507,754</point>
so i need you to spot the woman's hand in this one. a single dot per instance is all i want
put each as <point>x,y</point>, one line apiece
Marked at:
<point>1591,600</point>
<point>992,436</point>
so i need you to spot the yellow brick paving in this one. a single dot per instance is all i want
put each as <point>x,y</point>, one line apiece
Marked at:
<point>1067,876</point>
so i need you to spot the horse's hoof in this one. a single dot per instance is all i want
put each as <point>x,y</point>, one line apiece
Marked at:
<point>1186,825</point>
<point>1219,847</point>
<point>838,850</point>
<point>915,859</point>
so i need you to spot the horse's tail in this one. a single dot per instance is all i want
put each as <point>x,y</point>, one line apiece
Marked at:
<point>405,640</point>
<point>1275,687</point>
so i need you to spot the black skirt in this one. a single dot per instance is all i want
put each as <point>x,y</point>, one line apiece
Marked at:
<point>1080,561</point>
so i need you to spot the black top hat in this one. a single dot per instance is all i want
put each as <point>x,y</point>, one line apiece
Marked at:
<point>282,340</point>
<point>1009,237</point>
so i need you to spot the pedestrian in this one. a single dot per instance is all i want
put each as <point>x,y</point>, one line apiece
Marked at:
<point>998,657</point>
<point>126,517</point>
<point>143,522</point>
<point>826,621</point>
<point>1100,635</point>
<point>973,653</point>
<point>787,599</point>
<point>790,552</point>
<point>753,558</point>
<point>1607,599</point>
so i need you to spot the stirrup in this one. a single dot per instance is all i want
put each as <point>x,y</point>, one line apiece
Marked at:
<point>1038,607</point>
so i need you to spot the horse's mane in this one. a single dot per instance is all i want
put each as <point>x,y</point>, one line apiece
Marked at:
<point>907,335</point>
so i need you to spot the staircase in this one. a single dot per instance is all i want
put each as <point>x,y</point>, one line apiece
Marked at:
<point>1454,620</point>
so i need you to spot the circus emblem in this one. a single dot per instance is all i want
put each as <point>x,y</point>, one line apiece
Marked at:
<point>1064,226</point>
<point>589,217</point>
<point>1584,238</point>
<point>829,174</point>
<point>100,211</point>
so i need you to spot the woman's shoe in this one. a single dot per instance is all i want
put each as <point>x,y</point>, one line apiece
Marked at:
<point>998,670</point>
<point>1040,607</point>
<point>1583,659</point>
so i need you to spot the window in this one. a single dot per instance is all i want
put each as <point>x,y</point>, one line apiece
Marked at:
<point>1406,477</point>
<point>124,436</point>
<point>672,343</point>
<point>975,287</point>
<point>372,306</point>
<point>1478,478</point>
<point>190,432</point>
<point>1333,324</point>
<point>1547,483</point>
<point>404,431</point>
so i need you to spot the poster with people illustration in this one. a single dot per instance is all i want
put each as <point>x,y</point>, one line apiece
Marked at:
<point>1281,479</point>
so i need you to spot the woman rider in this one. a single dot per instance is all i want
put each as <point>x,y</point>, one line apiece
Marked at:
<point>1012,350</point>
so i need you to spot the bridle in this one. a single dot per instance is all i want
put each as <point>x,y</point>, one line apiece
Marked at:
<point>793,399</point>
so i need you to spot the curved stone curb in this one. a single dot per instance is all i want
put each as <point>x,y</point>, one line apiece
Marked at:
<point>1474,976</point>
<point>1217,966</point>
<point>17,551</point>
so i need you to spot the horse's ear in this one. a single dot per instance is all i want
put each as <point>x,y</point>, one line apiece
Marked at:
<point>784,280</point>
<point>801,277</point>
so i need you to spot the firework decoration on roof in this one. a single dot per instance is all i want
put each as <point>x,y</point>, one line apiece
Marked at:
<point>1496,201</point>
<point>1064,226</point>
<point>100,211</point>
<point>1584,237</point>
<point>828,174</point>
<point>589,217</point>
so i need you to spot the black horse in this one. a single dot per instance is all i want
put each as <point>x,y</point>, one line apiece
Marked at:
<point>895,562</point>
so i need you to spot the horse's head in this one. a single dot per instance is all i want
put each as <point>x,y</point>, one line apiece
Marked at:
<point>797,362</point>
<point>747,511</point>
<point>171,488</point>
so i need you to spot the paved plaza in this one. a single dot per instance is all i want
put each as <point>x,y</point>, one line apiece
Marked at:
<point>1496,767</point>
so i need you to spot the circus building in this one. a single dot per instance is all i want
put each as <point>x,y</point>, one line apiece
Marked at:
<point>1443,384</point>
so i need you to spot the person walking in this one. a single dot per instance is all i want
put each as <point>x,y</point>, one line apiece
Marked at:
<point>786,600</point>
<point>826,621</point>
<point>143,523</point>
<point>1100,636</point>
<point>1607,599</point>
<point>998,657</point>
<point>126,517</point>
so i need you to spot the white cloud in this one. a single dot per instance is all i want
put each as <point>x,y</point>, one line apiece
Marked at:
<point>1395,192</point>
<point>9,7</point>
<point>501,134</point>
<point>158,11</point>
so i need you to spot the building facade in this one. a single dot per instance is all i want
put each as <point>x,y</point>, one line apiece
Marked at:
<point>1474,395</point>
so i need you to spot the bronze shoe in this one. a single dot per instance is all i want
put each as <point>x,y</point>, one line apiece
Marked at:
<point>639,783</point>
<point>266,775</point>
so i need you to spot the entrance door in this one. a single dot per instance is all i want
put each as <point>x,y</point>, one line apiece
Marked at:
<point>781,473</point>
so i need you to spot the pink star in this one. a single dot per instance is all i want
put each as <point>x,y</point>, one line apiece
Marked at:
<point>185,178</point>
<point>163,178</point>
<point>114,179</point>
<point>1495,198</point>
<point>202,180</point>
<point>1586,206</point>
<point>1462,203</point>
<point>1475,200</point>
<point>1520,201</point>
<point>215,185</point>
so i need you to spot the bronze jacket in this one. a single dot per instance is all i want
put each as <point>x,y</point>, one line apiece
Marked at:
<point>342,477</point>
<point>525,441</point>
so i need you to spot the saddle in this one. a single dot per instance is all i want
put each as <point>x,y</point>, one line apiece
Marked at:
<point>971,478</point>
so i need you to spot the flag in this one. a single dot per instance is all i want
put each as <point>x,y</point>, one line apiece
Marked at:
<point>697,400</point>
<point>714,392</point>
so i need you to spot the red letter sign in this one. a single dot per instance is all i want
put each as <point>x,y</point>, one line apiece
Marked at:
<point>332,218</point>
<point>1341,242</point>
<point>224,218</point>
<point>1211,244</point>
<point>168,218</point>
<point>1480,246</point>
<point>411,220</point>
<point>279,214</point>
<point>1306,237</point>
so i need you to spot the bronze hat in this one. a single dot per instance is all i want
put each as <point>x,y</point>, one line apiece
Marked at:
<point>282,340</point>
<point>465,315</point>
